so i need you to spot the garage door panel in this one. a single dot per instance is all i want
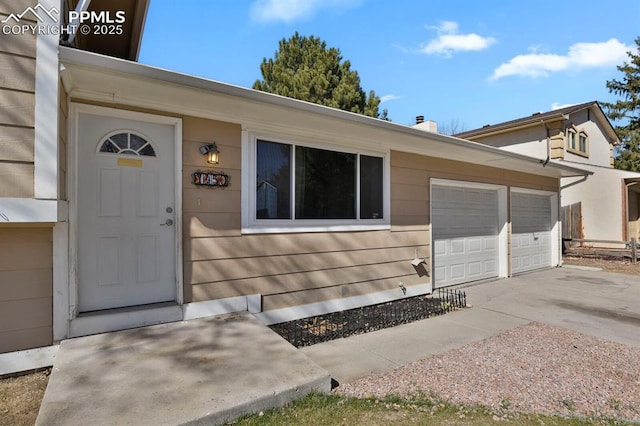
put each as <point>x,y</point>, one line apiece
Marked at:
<point>455,247</point>
<point>456,271</point>
<point>475,269</point>
<point>531,238</point>
<point>465,232</point>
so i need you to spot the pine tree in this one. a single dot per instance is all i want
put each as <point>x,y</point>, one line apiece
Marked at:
<point>627,111</point>
<point>304,68</point>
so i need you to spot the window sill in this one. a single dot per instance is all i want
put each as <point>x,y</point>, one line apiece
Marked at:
<point>304,228</point>
<point>578,152</point>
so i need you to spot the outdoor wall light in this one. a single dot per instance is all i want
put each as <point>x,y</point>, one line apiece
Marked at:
<point>212,153</point>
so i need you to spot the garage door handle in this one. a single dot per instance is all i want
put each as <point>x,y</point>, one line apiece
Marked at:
<point>535,238</point>
<point>168,222</point>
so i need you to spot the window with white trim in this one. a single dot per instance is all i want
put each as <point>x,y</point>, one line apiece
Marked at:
<point>300,185</point>
<point>577,142</point>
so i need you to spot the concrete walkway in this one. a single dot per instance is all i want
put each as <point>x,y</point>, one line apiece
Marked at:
<point>211,370</point>
<point>204,371</point>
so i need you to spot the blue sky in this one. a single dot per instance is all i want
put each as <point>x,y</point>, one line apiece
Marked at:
<point>462,63</point>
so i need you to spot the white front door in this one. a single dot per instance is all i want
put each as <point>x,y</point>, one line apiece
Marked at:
<point>126,213</point>
<point>465,226</point>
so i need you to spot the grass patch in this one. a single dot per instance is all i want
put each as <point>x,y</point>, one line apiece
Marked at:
<point>331,409</point>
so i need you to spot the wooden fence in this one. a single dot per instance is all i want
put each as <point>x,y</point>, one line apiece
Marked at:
<point>630,251</point>
<point>571,217</point>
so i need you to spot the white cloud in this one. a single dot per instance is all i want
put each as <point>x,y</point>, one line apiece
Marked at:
<point>449,41</point>
<point>580,55</point>
<point>389,97</point>
<point>292,10</point>
<point>557,105</point>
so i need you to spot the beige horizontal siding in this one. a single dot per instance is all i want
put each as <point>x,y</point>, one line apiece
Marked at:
<point>16,180</point>
<point>199,225</point>
<point>287,269</point>
<point>447,169</point>
<point>262,266</point>
<point>26,288</point>
<point>15,6</point>
<point>314,295</point>
<point>17,72</point>
<point>17,109</point>
<point>22,44</point>
<point>273,264</point>
<point>287,244</point>
<point>16,144</point>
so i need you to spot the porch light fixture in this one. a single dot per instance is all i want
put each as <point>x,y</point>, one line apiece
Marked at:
<point>212,153</point>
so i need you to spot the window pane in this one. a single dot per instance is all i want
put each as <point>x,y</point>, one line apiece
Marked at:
<point>273,192</point>
<point>572,140</point>
<point>108,146</point>
<point>136,142</point>
<point>325,184</point>
<point>147,151</point>
<point>583,142</point>
<point>370,187</point>
<point>121,140</point>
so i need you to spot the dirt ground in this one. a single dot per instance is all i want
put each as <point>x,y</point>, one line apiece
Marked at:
<point>619,265</point>
<point>20,396</point>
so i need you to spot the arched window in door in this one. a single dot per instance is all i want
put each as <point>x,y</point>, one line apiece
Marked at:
<point>127,143</point>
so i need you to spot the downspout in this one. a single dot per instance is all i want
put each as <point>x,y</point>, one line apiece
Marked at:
<point>82,6</point>
<point>545,162</point>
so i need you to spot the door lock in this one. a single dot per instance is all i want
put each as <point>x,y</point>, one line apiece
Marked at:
<point>168,222</point>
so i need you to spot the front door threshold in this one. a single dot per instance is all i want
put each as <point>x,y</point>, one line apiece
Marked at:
<point>124,318</point>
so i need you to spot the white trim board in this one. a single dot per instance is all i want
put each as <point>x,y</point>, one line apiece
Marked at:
<point>251,303</point>
<point>123,319</point>
<point>70,315</point>
<point>31,359</point>
<point>46,155</point>
<point>30,210</point>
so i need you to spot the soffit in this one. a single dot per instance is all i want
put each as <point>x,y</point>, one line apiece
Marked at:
<point>124,46</point>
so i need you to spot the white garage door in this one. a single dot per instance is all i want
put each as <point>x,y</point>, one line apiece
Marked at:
<point>465,234</point>
<point>530,232</point>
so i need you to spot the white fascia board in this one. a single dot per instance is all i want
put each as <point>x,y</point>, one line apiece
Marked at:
<point>160,85</point>
<point>30,210</point>
<point>46,153</point>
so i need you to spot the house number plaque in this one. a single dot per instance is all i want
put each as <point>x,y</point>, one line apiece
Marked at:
<point>210,179</point>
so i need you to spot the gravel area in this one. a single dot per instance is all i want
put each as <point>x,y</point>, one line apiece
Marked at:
<point>535,368</point>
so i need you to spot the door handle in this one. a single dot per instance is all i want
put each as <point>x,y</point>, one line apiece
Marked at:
<point>168,222</point>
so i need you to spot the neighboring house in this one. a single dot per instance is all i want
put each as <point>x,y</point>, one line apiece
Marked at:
<point>104,229</point>
<point>607,201</point>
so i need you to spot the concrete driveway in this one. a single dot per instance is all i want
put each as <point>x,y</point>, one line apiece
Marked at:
<point>602,304</point>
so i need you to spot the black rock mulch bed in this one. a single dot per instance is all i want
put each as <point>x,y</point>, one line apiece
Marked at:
<point>322,328</point>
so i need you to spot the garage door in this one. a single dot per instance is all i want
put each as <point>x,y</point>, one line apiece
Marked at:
<point>530,232</point>
<point>465,234</point>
